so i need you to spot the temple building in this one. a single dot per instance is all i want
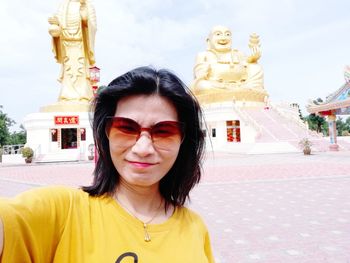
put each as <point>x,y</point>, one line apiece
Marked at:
<point>61,131</point>
<point>239,114</point>
<point>337,103</point>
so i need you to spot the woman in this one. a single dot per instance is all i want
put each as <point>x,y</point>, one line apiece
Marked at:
<point>147,130</point>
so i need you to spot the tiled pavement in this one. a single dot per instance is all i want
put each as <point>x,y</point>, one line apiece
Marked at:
<point>258,208</point>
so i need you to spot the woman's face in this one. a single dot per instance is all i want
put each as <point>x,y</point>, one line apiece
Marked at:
<point>139,161</point>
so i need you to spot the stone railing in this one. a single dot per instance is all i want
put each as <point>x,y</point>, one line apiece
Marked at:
<point>12,149</point>
<point>289,112</point>
<point>11,154</point>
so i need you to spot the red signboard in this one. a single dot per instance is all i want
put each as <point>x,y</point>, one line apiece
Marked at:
<point>66,120</point>
<point>326,113</point>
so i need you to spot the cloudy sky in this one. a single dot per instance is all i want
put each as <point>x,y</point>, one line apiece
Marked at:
<point>305,44</point>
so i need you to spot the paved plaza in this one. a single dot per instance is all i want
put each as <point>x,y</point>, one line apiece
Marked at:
<point>259,208</point>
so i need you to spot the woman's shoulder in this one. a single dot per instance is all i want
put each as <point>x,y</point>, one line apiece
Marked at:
<point>191,219</point>
<point>52,191</point>
<point>50,194</point>
<point>43,204</point>
<point>190,214</point>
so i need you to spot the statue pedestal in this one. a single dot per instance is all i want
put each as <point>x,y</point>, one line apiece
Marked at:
<point>334,147</point>
<point>235,95</point>
<point>59,135</point>
<point>69,106</point>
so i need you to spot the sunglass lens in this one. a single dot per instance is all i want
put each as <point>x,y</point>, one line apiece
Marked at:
<point>163,130</point>
<point>126,126</point>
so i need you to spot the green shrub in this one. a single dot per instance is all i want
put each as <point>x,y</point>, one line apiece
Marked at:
<point>27,152</point>
<point>305,143</point>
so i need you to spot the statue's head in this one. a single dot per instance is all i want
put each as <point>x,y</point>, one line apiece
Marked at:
<point>219,39</point>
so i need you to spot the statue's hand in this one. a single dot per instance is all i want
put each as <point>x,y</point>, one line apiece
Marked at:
<point>53,20</point>
<point>202,70</point>
<point>54,28</point>
<point>255,55</point>
<point>207,68</point>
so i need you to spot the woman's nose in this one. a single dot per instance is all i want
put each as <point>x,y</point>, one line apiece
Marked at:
<point>143,145</point>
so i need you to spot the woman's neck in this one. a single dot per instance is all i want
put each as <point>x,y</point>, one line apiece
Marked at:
<point>144,203</point>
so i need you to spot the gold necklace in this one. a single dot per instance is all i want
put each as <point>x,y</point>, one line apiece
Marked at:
<point>145,224</point>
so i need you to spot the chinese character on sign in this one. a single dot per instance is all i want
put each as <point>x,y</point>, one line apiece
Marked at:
<point>58,120</point>
<point>72,120</point>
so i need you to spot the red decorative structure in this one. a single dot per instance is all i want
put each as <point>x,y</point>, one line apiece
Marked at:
<point>94,78</point>
<point>94,74</point>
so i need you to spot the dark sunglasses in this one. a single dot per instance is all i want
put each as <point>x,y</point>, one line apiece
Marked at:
<point>125,132</point>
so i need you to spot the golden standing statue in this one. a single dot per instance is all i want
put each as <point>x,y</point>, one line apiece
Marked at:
<point>73,30</point>
<point>222,73</point>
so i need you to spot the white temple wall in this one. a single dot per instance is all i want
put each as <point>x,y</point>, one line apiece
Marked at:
<point>217,117</point>
<point>248,134</point>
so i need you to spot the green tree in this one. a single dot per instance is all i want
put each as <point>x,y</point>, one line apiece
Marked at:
<point>347,123</point>
<point>343,126</point>
<point>5,124</point>
<point>317,123</point>
<point>325,128</point>
<point>18,137</point>
<point>340,126</point>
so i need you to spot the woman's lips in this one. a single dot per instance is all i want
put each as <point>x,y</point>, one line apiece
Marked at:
<point>141,164</point>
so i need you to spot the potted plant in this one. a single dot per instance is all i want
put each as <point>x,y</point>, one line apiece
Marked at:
<point>28,154</point>
<point>305,144</point>
<point>91,149</point>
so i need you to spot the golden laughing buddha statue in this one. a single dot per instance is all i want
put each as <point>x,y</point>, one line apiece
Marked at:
<point>222,73</point>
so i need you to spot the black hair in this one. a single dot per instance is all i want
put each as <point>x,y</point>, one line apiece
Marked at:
<point>176,185</point>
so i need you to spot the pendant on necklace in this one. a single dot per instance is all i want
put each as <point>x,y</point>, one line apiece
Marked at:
<point>147,236</point>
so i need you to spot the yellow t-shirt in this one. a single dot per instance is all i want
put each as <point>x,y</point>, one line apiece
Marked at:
<point>59,224</point>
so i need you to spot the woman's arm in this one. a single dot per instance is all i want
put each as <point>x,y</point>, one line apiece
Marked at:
<point>22,238</point>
